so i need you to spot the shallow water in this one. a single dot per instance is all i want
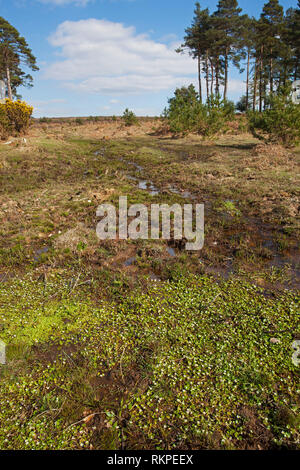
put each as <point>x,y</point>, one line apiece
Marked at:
<point>171,251</point>
<point>130,261</point>
<point>38,253</point>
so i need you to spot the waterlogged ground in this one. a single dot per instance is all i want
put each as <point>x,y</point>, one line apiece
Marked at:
<point>140,344</point>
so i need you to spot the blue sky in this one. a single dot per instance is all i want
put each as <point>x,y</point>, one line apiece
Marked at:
<point>97,57</point>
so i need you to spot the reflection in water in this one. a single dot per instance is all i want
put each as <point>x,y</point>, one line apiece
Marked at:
<point>130,261</point>
<point>171,251</point>
<point>38,253</point>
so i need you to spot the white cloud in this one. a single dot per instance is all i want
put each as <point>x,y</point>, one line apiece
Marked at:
<point>236,87</point>
<point>81,3</point>
<point>99,56</point>
<point>45,102</point>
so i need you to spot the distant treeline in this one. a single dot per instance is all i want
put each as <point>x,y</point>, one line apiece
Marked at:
<point>267,48</point>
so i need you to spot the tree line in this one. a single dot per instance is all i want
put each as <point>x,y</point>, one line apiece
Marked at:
<point>266,48</point>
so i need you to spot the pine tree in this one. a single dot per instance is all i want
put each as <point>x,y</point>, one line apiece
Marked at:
<point>227,27</point>
<point>247,44</point>
<point>295,42</point>
<point>196,41</point>
<point>14,53</point>
<point>272,27</point>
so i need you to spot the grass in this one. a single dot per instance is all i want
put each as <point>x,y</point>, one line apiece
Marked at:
<point>100,355</point>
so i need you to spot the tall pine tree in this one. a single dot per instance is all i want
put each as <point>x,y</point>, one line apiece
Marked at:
<point>14,55</point>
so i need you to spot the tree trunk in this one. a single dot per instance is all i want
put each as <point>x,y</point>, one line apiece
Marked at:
<point>217,78</point>
<point>261,80</point>
<point>206,72</point>
<point>9,91</point>
<point>212,80</point>
<point>254,86</point>
<point>226,76</point>
<point>247,81</point>
<point>199,77</point>
<point>271,73</point>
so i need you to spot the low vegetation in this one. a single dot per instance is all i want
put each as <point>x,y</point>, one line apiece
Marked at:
<point>140,344</point>
<point>186,114</point>
<point>280,122</point>
<point>129,118</point>
<point>188,363</point>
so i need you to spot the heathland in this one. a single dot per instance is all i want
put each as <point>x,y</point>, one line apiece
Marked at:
<point>140,344</point>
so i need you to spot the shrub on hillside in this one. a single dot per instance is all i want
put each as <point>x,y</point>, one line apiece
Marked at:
<point>185,114</point>
<point>280,123</point>
<point>129,118</point>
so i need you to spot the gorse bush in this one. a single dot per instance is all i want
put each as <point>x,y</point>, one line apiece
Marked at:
<point>14,117</point>
<point>129,118</point>
<point>280,123</point>
<point>19,114</point>
<point>5,125</point>
<point>185,114</point>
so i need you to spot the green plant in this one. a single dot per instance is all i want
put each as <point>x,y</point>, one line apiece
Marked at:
<point>45,119</point>
<point>129,118</point>
<point>280,123</point>
<point>186,114</point>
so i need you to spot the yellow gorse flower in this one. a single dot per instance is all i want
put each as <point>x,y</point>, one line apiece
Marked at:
<point>17,113</point>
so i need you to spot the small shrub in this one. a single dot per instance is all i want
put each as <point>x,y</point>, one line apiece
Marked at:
<point>280,123</point>
<point>18,113</point>
<point>5,124</point>
<point>129,118</point>
<point>14,117</point>
<point>45,120</point>
<point>186,114</point>
<point>219,112</point>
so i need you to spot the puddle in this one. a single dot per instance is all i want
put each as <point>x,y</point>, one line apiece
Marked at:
<point>182,193</point>
<point>224,272</point>
<point>149,186</point>
<point>290,261</point>
<point>38,254</point>
<point>265,235</point>
<point>131,163</point>
<point>153,277</point>
<point>130,261</point>
<point>171,251</point>
<point>132,178</point>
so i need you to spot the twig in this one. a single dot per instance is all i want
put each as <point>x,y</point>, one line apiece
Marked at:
<point>121,365</point>
<point>213,300</point>
<point>75,283</point>
<point>84,419</point>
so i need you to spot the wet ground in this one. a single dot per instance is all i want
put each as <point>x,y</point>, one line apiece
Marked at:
<point>261,234</point>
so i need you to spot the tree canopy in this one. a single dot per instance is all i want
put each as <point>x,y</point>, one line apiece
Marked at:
<point>15,55</point>
<point>268,47</point>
